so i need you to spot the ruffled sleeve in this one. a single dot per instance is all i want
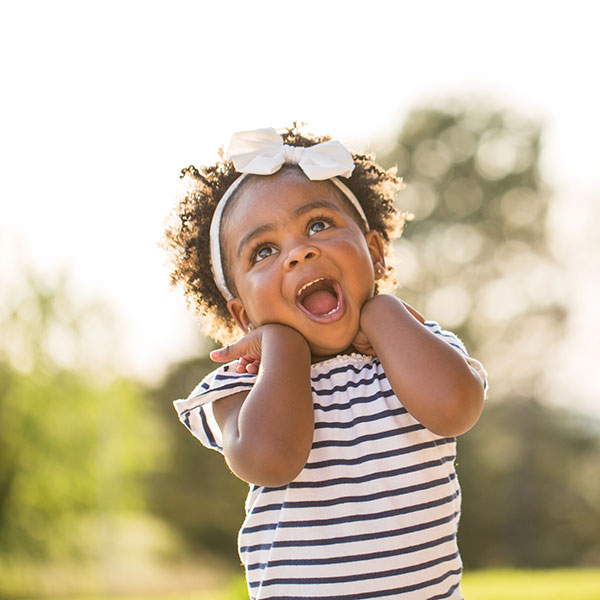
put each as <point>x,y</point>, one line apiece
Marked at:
<point>453,340</point>
<point>195,411</point>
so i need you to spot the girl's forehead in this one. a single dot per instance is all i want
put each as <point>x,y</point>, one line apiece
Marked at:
<point>264,197</point>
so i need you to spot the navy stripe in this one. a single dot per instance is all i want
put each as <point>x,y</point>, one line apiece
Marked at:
<point>345,369</point>
<point>377,594</point>
<point>384,514</point>
<point>449,338</point>
<point>186,421</point>
<point>348,539</point>
<point>350,384</point>
<point>354,576</point>
<point>449,593</point>
<point>242,385</point>
<point>207,431</point>
<point>368,437</point>
<point>334,560</point>
<point>219,375</point>
<point>352,401</point>
<point>367,577</point>
<point>235,376</point>
<point>438,329</point>
<point>459,348</point>
<point>234,384</point>
<point>374,456</point>
<point>355,499</point>
<point>363,478</point>
<point>392,412</point>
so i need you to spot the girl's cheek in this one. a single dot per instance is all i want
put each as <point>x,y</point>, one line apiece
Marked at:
<point>263,284</point>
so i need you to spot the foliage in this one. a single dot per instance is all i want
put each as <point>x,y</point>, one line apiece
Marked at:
<point>73,445</point>
<point>531,492</point>
<point>194,491</point>
<point>476,257</point>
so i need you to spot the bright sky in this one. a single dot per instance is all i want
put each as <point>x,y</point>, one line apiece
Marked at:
<point>103,103</point>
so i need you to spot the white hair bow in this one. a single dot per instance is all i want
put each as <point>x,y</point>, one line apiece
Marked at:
<point>262,152</point>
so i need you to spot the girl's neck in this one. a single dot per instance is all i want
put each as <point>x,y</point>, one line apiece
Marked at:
<point>349,350</point>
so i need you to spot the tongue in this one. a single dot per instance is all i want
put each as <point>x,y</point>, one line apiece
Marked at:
<point>320,302</point>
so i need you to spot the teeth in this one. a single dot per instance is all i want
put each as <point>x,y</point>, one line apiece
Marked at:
<point>332,310</point>
<point>306,285</point>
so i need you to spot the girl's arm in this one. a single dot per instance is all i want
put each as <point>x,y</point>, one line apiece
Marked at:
<point>268,432</point>
<point>435,384</point>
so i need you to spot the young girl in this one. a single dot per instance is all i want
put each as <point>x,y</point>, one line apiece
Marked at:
<point>338,404</point>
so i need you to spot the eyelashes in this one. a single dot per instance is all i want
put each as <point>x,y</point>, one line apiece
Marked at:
<point>261,252</point>
<point>264,250</point>
<point>319,220</point>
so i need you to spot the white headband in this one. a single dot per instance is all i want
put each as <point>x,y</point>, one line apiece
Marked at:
<point>262,152</point>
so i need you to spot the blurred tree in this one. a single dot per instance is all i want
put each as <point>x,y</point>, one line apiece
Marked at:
<point>195,491</point>
<point>476,259</point>
<point>74,439</point>
<point>531,491</point>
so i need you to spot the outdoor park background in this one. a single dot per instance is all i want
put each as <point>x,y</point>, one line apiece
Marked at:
<point>489,111</point>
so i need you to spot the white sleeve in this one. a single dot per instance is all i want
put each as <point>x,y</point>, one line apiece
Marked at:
<point>195,411</point>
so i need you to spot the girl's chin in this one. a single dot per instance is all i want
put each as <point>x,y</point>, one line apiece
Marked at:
<point>320,353</point>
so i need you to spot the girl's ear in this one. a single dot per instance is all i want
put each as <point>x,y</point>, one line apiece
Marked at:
<point>375,245</point>
<point>238,312</point>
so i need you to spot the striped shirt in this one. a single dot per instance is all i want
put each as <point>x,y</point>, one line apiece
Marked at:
<point>373,514</point>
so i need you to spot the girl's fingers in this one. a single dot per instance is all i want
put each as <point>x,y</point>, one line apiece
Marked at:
<point>248,348</point>
<point>228,353</point>
<point>252,368</point>
<point>363,345</point>
<point>247,366</point>
<point>247,360</point>
<point>221,355</point>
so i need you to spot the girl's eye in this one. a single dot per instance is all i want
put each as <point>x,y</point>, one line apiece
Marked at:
<point>318,225</point>
<point>263,252</point>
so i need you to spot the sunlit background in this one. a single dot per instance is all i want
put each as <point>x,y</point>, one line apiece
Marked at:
<point>490,112</point>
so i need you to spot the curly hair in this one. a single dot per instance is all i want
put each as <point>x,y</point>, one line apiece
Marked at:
<point>187,235</point>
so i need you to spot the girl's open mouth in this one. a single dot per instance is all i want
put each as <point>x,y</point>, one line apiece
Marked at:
<point>322,299</point>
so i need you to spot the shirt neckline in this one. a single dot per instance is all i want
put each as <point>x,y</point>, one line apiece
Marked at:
<point>354,358</point>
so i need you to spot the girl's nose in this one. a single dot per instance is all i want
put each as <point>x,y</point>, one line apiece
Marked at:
<point>299,254</point>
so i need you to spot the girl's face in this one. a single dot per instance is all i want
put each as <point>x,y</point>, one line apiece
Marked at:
<point>297,257</point>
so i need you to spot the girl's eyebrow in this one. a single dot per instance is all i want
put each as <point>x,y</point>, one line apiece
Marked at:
<point>301,210</point>
<point>251,235</point>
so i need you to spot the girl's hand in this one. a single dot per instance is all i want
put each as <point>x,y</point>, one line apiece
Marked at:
<point>249,349</point>
<point>361,341</point>
<point>361,344</point>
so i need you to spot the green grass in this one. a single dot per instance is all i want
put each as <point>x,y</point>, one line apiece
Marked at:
<point>559,584</point>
